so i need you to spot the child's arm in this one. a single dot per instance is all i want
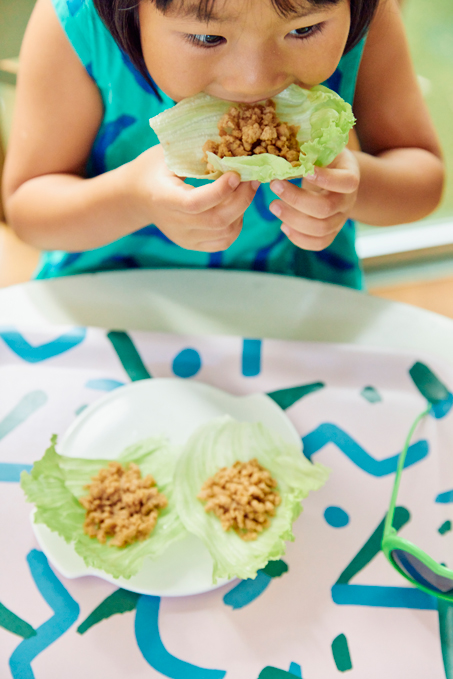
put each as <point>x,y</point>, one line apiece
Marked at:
<point>47,199</point>
<point>398,175</point>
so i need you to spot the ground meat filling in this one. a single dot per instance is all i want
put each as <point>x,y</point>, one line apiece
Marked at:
<point>121,505</point>
<point>253,129</point>
<point>243,497</point>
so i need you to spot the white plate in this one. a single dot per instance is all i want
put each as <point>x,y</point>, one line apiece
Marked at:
<point>146,408</point>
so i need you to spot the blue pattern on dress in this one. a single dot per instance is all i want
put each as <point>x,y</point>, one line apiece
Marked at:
<point>139,79</point>
<point>262,256</point>
<point>70,258</point>
<point>119,262</point>
<point>334,82</point>
<point>260,204</point>
<point>108,134</point>
<point>89,70</point>
<point>74,6</point>
<point>152,230</point>
<point>333,260</point>
<point>215,260</point>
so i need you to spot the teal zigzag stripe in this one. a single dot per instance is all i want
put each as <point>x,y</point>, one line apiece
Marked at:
<point>331,433</point>
<point>19,345</point>
<point>153,650</point>
<point>66,612</point>
<point>28,405</point>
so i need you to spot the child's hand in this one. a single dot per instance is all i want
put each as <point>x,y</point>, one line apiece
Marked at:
<point>313,215</point>
<point>206,218</point>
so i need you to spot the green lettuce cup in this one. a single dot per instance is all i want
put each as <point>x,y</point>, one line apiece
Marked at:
<point>220,443</point>
<point>323,117</point>
<point>56,483</point>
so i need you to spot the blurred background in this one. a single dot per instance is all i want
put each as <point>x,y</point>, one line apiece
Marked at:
<point>410,263</point>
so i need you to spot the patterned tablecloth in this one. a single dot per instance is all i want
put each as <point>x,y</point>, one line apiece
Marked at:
<point>332,605</point>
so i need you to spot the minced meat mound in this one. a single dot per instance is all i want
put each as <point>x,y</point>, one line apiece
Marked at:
<point>249,129</point>
<point>243,497</point>
<point>121,505</point>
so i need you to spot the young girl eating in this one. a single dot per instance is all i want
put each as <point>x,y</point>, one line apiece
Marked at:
<point>85,178</point>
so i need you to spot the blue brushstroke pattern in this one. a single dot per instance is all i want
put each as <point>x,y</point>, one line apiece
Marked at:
<point>74,6</point>
<point>383,597</point>
<point>153,650</point>
<point>331,433</point>
<point>296,669</point>
<point>108,133</point>
<point>336,517</point>
<point>445,498</point>
<point>19,345</point>
<point>215,260</point>
<point>251,357</point>
<point>262,255</point>
<point>139,79</point>
<point>119,262</point>
<point>152,231</point>
<point>187,363</point>
<point>26,407</point>
<point>334,82</point>
<point>442,408</point>
<point>371,394</point>
<point>104,384</point>
<point>10,473</point>
<point>66,613</point>
<point>247,591</point>
<point>70,258</point>
<point>89,70</point>
<point>333,260</point>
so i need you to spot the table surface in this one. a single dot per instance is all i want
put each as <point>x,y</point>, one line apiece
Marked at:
<point>227,302</point>
<point>357,441</point>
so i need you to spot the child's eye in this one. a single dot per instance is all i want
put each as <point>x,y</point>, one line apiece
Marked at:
<point>204,40</point>
<point>306,31</point>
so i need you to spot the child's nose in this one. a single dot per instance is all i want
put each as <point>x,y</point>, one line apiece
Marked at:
<point>255,76</point>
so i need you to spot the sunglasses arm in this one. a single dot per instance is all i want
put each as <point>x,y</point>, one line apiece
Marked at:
<point>388,527</point>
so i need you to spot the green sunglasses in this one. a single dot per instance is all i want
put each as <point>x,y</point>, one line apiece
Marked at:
<point>410,561</point>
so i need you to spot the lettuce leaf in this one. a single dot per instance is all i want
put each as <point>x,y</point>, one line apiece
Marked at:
<point>323,116</point>
<point>56,482</point>
<point>220,443</point>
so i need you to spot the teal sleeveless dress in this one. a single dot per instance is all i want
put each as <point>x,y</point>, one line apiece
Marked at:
<point>129,102</point>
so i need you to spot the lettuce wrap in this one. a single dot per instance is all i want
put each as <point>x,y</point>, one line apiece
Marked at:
<point>56,483</point>
<point>220,443</point>
<point>323,117</point>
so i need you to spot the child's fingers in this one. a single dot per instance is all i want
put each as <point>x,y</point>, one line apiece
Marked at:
<point>341,176</point>
<point>202,198</point>
<point>312,226</point>
<point>231,209</point>
<point>220,240</point>
<point>320,205</point>
<point>339,181</point>
<point>305,241</point>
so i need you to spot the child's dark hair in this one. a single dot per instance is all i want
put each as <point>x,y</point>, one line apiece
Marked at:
<point>121,19</point>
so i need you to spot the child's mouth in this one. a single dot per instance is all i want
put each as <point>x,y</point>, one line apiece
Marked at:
<point>240,99</point>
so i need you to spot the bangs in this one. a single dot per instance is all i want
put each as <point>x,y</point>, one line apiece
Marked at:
<point>204,10</point>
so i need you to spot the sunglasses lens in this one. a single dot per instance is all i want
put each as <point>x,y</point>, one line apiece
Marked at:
<point>419,572</point>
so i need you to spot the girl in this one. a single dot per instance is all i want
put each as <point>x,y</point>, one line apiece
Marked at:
<point>85,178</point>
